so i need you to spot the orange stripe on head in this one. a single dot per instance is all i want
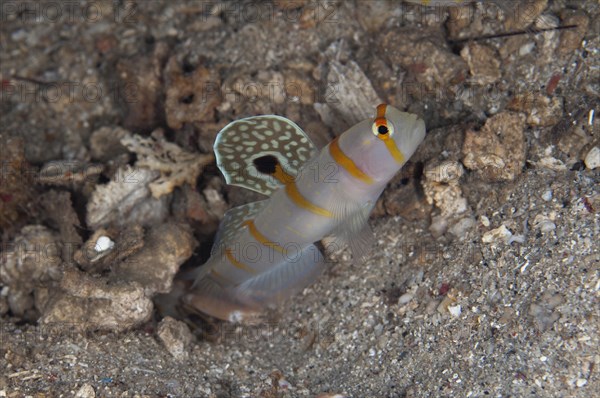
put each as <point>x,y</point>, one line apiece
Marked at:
<point>295,196</point>
<point>381,121</point>
<point>381,108</point>
<point>347,164</point>
<point>394,151</point>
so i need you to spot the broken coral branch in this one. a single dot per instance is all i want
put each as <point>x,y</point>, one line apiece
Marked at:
<point>175,165</point>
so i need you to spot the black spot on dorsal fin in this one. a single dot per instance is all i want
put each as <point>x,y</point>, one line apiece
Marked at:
<point>266,164</point>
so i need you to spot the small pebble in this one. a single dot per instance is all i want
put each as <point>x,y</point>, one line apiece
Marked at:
<point>18,34</point>
<point>176,337</point>
<point>405,298</point>
<point>526,48</point>
<point>547,196</point>
<point>446,172</point>
<point>485,221</point>
<point>550,163</point>
<point>592,159</point>
<point>104,243</point>
<point>454,310</point>
<point>544,223</point>
<point>284,384</point>
<point>86,391</point>
<point>500,234</point>
<point>547,226</point>
<point>517,238</point>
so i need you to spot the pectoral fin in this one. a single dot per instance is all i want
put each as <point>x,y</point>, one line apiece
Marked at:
<point>354,230</point>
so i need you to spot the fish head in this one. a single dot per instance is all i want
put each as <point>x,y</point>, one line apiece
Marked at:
<point>382,145</point>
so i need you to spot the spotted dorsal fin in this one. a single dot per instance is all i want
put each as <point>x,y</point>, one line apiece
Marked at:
<point>262,153</point>
<point>230,226</point>
<point>233,220</point>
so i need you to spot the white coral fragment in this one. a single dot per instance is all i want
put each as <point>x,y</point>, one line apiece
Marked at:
<point>592,159</point>
<point>176,166</point>
<point>136,194</point>
<point>117,200</point>
<point>442,188</point>
<point>500,234</point>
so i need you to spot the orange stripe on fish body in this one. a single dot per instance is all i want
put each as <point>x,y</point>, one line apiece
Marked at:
<point>261,238</point>
<point>302,202</point>
<point>237,263</point>
<point>344,161</point>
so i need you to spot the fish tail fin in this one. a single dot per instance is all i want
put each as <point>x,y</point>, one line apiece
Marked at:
<point>247,300</point>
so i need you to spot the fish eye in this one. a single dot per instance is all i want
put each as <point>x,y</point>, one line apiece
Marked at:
<point>382,129</point>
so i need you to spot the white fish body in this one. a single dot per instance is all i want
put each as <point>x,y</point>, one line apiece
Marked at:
<point>264,251</point>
